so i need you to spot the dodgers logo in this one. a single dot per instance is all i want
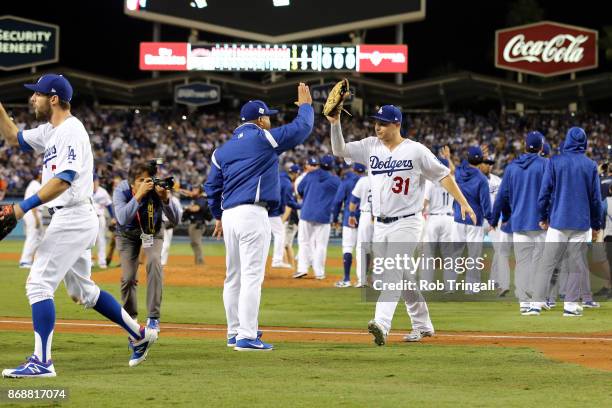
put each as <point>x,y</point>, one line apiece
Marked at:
<point>50,154</point>
<point>389,166</point>
<point>71,154</point>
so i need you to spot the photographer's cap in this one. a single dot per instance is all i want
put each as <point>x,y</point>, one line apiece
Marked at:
<point>254,109</point>
<point>52,84</point>
<point>389,114</point>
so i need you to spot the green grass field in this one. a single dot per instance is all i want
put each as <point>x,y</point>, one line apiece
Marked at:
<point>203,372</point>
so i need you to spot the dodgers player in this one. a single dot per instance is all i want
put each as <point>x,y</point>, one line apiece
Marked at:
<point>349,233</point>
<point>397,169</point>
<point>65,250</point>
<point>243,182</point>
<point>33,226</point>
<point>278,220</point>
<point>169,229</point>
<point>102,203</point>
<point>361,197</point>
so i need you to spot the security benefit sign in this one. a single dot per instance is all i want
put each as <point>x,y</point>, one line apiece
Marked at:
<point>546,48</point>
<point>27,43</point>
<point>197,94</point>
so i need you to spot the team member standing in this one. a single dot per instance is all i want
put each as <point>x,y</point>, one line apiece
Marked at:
<point>168,227</point>
<point>349,232</point>
<point>291,226</point>
<point>318,190</point>
<point>64,253</point>
<point>397,169</point>
<point>33,226</point>
<point>279,217</point>
<point>569,205</point>
<point>518,196</point>
<point>243,183</point>
<point>361,199</point>
<point>102,203</point>
<point>197,214</point>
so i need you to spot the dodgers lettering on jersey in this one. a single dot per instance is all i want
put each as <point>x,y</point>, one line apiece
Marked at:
<point>397,178</point>
<point>64,148</point>
<point>364,194</point>
<point>440,200</point>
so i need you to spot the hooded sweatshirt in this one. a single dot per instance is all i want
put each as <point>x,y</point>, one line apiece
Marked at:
<point>519,192</point>
<point>475,187</point>
<point>343,197</point>
<point>286,196</point>
<point>318,188</point>
<point>570,196</point>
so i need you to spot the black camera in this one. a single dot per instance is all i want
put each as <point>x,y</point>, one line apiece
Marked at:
<point>152,166</point>
<point>166,183</point>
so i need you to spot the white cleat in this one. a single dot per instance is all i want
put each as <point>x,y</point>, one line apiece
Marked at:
<point>376,330</point>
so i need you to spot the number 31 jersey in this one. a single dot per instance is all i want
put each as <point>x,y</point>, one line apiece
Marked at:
<point>397,178</point>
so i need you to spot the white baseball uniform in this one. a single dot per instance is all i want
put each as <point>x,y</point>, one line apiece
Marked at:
<point>365,229</point>
<point>33,235</point>
<point>101,200</point>
<point>501,241</point>
<point>397,181</point>
<point>169,232</point>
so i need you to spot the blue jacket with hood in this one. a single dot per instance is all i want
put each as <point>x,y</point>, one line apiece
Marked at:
<point>475,187</point>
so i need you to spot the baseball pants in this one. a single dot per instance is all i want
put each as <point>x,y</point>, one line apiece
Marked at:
<point>195,237</point>
<point>32,241</point>
<point>365,232</point>
<point>278,233</point>
<point>165,252</point>
<point>387,239</point>
<point>101,240</point>
<point>247,233</point>
<point>438,233</point>
<point>291,231</point>
<point>313,238</point>
<point>528,251</point>
<point>473,235</point>
<point>349,239</point>
<point>500,265</point>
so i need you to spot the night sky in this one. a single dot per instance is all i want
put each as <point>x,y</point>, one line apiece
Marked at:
<point>96,36</point>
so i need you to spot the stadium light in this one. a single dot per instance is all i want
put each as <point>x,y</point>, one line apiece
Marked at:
<point>198,4</point>
<point>280,3</point>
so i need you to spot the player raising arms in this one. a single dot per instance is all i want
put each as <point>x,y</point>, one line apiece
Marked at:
<point>397,169</point>
<point>65,250</point>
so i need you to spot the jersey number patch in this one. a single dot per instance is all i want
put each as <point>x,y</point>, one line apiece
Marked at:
<point>401,185</point>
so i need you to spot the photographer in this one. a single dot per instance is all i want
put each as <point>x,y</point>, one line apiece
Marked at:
<point>139,203</point>
<point>197,214</point>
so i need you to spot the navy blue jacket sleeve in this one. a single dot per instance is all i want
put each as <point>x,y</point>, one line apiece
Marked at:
<point>337,204</point>
<point>214,190</point>
<point>545,192</point>
<point>296,132</point>
<point>595,199</point>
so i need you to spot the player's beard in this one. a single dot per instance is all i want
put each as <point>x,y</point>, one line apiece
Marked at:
<point>43,112</point>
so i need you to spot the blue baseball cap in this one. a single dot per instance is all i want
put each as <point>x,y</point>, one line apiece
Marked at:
<point>534,140</point>
<point>474,153</point>
<point>52,84</point>
<point>545,150</point>
<point>254,109</point>
<point>313,161</point>
<point>328,161</point>
<point>295,168</point>
<point>359,168</point>
<point>389,114</point>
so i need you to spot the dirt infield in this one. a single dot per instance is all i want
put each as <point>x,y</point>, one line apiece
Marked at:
<point>593,350</point>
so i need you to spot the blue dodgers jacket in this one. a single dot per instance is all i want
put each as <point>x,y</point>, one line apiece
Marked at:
<point>245,169</point>
<point>318,188</point>
<point>286,196</point>
<point>343,196</point>
<point>570,196</point>
<point>475,187</point>
<point>518,193</point>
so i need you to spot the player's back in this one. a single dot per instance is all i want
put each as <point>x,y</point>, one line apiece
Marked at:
<point>475,187</point>
<point>318,189</point>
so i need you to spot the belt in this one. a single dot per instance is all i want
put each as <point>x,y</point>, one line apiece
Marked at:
<point>261,204</point>
<point>389,220</point>
<point>53,210</point>
<point>441,214</point>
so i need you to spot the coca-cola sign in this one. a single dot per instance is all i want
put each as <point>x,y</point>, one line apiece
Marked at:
<point>546,48</point>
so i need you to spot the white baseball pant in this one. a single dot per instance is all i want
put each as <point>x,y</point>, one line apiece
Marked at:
<point>438,230</point>
<point>528,250</point>
<point>33,236</point>
<point>473,235</point>
<point>165,252</point>
<point>278,232</point>
<point>349,239</point>
<point>101,240</point>
<point>365,232</point>
<point>313,239</point>
<point>500,265</point>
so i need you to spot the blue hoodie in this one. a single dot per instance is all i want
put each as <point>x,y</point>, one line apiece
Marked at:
<point>318,189</point>
<point>343,196</point>
<point>570,196</point>
<point>518,193</point>
<point>286,196</point>
<point>475,187</point>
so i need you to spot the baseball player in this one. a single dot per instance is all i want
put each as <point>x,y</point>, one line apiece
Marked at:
<point>242,184</point>
<point>361,198</point>
<point>278,220</point>
<point>291,226</point>
<point>102,203</point>
<point>569,205</point>
<point>349,233</point>
<point>318,190</point>
<point>168,228</point>
<point>518,194</point>
<point>475,186</point>
<point>33,226</point>
<point>397,169</point>
<point>64,253</point>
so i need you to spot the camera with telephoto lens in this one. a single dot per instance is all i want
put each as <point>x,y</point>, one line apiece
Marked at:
<point>165,183</point>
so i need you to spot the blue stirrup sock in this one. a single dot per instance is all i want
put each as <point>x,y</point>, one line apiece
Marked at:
<point>347,260</point>
<point>108,307</point>
<point>43,320</point>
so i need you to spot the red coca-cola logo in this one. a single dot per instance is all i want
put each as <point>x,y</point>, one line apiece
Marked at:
<point>164,56</point>
<point>546,48</point>
<point>383,58</point>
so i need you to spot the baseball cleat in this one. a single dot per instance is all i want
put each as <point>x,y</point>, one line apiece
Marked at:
<point>417,335</point>
<point>298,275</point>
<point>376,330</point>
<point>153,324</point>
<point>231,342</point>
<point>343,284</point>
<point>532,311</point>
<point>503,292</point>
<point>25,265</point>
<point>591,304</point>
<point>252,345</point>
<point>523,309</point>
<point>572,313</point>
<point>140,348</point>
<point>32,368</point>
<point>320,277</point>
<point>361,285</point>
<point>283,265</point>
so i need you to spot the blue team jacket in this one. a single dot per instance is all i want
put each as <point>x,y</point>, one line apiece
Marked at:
<point>286,196</point>
<point>518,193</point>
<point>343,196</point>
<point>570,196</point>
<point>318,189</point>
<point>245,169</point>
<point>475,187</point>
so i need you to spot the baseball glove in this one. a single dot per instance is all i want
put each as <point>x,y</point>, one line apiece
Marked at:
<point>336,99</point>
<point>8,221</point>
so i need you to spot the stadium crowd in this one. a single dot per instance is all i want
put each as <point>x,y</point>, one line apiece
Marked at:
<point>119,137</point>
